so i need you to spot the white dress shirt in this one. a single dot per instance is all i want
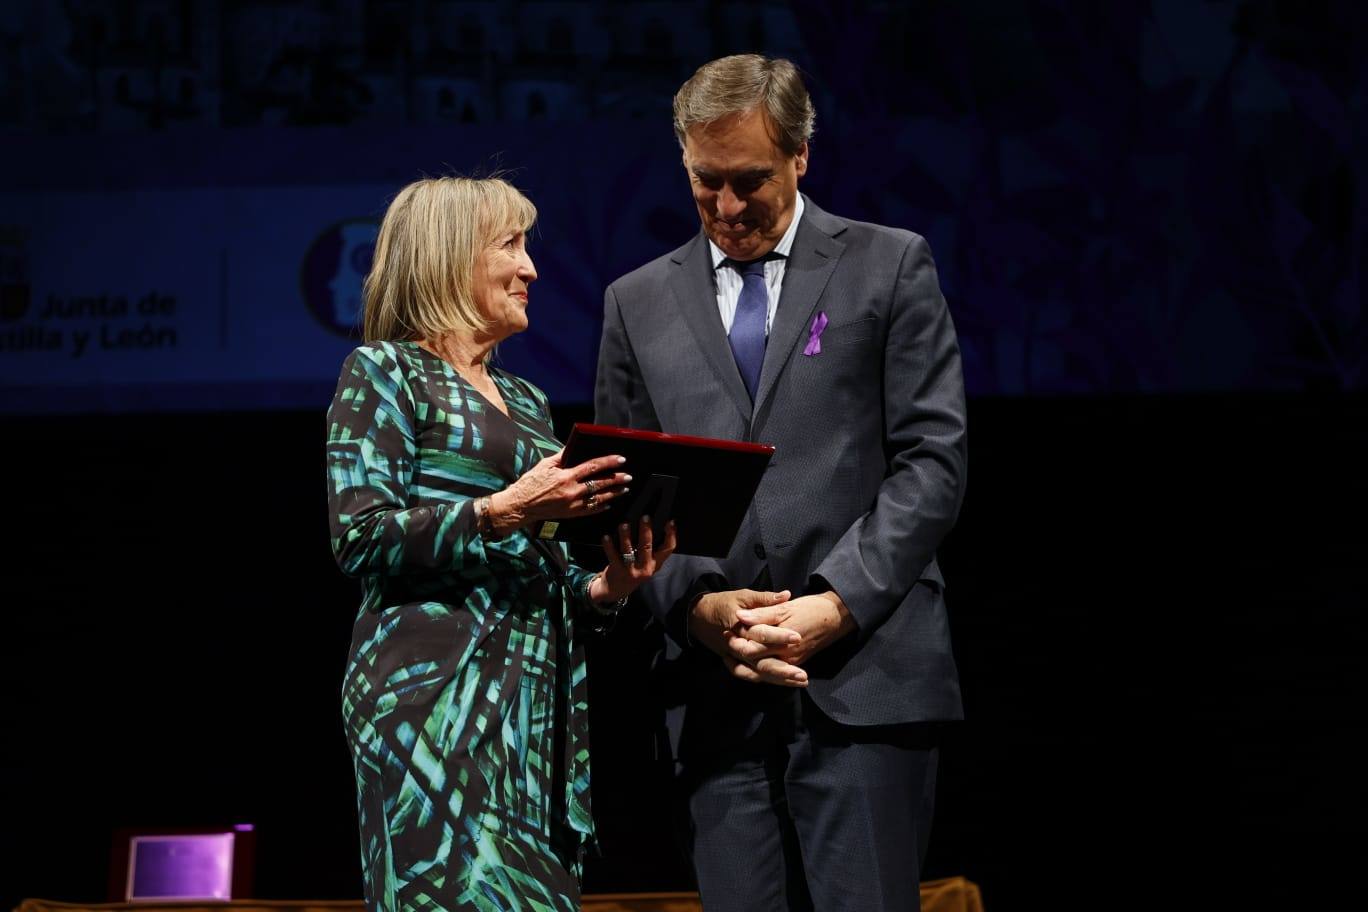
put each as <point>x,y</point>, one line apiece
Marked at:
<point>728,280</point>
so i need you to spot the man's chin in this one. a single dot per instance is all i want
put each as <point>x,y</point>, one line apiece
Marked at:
<point>745,247</point>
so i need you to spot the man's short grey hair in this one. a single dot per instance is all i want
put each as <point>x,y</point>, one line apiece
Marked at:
<point>736,84</point>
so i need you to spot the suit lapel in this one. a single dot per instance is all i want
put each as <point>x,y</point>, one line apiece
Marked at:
<point>696,298</point>
<point>810,264</point>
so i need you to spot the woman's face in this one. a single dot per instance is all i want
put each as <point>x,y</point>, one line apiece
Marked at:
<point>503,271</point>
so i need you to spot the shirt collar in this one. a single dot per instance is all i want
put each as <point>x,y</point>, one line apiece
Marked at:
<point>780,249</point>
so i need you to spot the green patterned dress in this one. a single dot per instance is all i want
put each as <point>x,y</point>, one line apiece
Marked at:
<point>464,697</point>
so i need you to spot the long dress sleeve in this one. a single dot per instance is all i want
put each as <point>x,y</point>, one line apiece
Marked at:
<point>375,529</point>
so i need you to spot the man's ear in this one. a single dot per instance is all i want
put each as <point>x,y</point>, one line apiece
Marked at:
<point>801,159</point>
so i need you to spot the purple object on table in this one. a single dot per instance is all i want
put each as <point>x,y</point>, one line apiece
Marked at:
<point>181,867</point>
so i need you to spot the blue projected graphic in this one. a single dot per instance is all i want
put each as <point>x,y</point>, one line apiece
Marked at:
<point>1146,196</point>
<point>333,272</point>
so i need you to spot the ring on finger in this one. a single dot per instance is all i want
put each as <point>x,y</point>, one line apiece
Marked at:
<point>591,501</point>
<point>629,556</point>
<point>591,485</point>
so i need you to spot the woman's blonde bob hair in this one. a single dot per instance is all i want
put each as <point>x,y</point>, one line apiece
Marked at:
<point>422,275</point>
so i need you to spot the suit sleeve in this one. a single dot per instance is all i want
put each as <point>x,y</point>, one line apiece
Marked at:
<point>621,399</point>
<point>883,554</point>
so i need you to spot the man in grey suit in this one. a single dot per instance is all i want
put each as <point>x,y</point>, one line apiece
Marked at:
<point>813,663</point>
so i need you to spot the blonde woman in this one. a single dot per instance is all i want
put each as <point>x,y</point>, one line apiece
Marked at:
<point>464,696</point>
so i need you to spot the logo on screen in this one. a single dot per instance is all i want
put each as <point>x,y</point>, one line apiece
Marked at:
<point>334,268</point>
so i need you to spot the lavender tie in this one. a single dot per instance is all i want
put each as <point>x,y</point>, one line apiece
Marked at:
<point>747,336</point>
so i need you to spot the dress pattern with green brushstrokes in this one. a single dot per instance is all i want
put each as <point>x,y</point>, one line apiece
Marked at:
<point>464,693</point>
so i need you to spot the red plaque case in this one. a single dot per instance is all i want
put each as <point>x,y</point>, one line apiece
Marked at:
<point>705,485</point>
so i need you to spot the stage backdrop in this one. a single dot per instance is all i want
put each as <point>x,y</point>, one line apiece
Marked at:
<point>1154,197</point>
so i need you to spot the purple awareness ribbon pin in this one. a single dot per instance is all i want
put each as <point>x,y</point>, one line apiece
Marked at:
<point>814,346</point>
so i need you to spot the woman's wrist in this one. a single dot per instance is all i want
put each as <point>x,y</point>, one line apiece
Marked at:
<point>597,591</point>
<point>601,595</point>
<point>501,514</point>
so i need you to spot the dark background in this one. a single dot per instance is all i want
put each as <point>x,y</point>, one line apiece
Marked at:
<point>1149,223</point>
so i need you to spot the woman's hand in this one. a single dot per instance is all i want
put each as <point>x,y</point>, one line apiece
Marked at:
<point>548,491</point>
<point>621,577</point>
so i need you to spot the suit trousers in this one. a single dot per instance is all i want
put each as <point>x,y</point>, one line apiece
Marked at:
<point>810,814</point>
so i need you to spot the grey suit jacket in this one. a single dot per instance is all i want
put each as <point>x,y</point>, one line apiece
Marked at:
<point>869,466</point>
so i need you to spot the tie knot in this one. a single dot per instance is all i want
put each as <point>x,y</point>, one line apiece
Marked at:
<point>751,267</point>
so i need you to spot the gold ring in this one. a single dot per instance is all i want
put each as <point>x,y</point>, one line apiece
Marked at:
<point>591,501</point>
